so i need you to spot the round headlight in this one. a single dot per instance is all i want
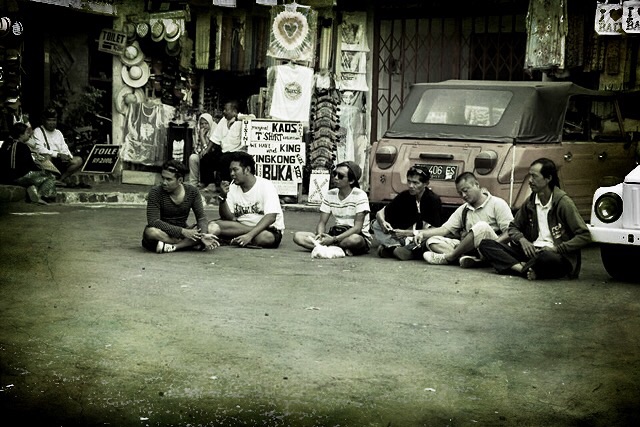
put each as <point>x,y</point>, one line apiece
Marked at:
<point>608,207</point>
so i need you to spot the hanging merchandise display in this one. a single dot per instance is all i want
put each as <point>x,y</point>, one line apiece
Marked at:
<point>203,41</point>
<point>608,19</point>
<point>132,54</point>
<point>546,33</point>
<point>291,92</point>
<point>631,17</point>
<point>324,127</point>
<point>293,32</point>
<point>145,134</point>
<point>127,96</point>
<point>136,75</point>
<point>352,52</point>
<point>353,32</point>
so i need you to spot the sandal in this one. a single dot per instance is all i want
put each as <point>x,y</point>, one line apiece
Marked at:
<point>163,248</point>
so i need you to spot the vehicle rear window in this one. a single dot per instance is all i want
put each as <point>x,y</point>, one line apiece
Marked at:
<point>467,107</point>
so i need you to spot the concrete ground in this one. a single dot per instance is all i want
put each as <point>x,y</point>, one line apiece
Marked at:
<point>95,331</point>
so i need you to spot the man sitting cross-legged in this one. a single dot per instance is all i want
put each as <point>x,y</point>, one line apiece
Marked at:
<point>482,216</point>
<point>547,233</point>
<point>414,209</point>
<point>250,211</point>
<point>168,208</point>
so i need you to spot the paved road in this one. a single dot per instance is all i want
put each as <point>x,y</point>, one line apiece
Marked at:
<point>95,331</point>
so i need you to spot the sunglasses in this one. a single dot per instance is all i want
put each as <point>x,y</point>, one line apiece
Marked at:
<point>339,175</point>
<point>417,171</point>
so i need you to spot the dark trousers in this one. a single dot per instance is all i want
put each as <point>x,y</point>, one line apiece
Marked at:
<point>210,166</point>
<point>546,264</point>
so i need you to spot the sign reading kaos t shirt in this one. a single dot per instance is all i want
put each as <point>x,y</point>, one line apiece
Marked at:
<point>278,150</point>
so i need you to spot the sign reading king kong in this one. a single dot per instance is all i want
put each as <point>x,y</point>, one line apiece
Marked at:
<point>278,150</point>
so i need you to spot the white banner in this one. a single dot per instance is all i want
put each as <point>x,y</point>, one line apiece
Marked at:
<point>631,17</point>
<point>279,152</point>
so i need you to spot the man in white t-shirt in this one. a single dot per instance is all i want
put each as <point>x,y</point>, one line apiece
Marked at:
<point>50,142</point>
<point>227,136</point>
<point>250,211</point>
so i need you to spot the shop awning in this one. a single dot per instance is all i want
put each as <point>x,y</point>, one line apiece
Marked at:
<point>98,7</point>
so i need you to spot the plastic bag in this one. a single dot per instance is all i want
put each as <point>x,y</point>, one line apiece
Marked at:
<point>327,252</point>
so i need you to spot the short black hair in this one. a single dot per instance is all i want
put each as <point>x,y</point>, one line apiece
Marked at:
<point>175,167</point>
<point>17,130</point>
<point>244,159</point>
<point>466,176</point>
<point>423,174</point>
<point>50,113</point>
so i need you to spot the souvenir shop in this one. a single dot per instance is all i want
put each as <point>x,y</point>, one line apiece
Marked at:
<point>302,63</point>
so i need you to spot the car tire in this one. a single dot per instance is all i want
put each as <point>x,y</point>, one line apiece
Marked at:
<point>620,261</point>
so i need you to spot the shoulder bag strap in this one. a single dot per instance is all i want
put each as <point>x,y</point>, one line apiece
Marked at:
<point>46,141</point>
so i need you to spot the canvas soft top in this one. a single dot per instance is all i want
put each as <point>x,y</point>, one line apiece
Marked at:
<point>535,113</point>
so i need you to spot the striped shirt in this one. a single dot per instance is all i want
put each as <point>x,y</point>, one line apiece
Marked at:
<point>164,214</point>
<point>344,211</point>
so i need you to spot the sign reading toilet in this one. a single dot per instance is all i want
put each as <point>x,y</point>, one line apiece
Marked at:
<point>102,159</point>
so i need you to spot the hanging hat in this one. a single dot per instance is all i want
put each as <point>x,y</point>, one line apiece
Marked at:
<point>136,75</point>
<point>172,31</point>
<point>130,30</point>
<point>172,48</point>
<point>132,54</point>
<point>157,31</point>
<point>127,96</point>
<point>142,29</point>
<point>5,25</point>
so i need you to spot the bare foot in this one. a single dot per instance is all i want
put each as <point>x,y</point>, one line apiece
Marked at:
<point>531,275</point>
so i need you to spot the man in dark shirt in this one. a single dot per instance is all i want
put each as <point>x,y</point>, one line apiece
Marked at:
<point>414,209</point>
<point>168,208</point>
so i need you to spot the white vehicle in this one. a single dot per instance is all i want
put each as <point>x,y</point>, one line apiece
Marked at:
<point>615,225</point>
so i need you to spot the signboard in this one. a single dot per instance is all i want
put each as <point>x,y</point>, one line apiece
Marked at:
<point>616,18</point>
<point>278,150</point>
<point>631,17</point>
<point>112,41</point>
<point>102,158</point>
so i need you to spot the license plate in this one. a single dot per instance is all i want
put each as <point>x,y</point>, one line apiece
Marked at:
<point>441,172</point>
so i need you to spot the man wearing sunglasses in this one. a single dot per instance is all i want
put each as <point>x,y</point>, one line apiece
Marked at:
<point>168,208</point>
<point>414,209</point>
<point>349,206</point>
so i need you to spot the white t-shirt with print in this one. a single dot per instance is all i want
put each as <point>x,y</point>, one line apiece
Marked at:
<point>344,211</point>
<point>250,207</point>
<point>292,92</point>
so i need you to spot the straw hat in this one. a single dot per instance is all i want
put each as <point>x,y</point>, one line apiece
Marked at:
<point>132,54</point>
<point>172,48</point>
<point>157,31</point>
<point>136,75</point>
<point>172,31</point>
<point>142,29</point>
<point>127,96</point>
<point>130,30</point>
